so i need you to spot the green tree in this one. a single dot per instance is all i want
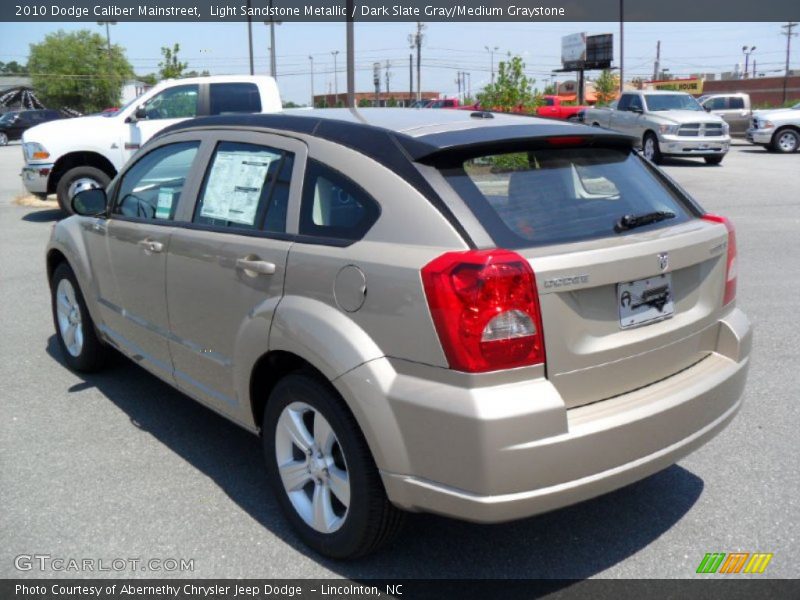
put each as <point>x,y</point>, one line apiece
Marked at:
<point>391,102</point>
<point>364,102</point>
<point>149,79</point>
<point>193,73</point>
<point>171,67</point>
<point>12,68</point>
<point>76,70</point>
<point>512,90</point>
<point>606,86</point>
<point>290,104</point>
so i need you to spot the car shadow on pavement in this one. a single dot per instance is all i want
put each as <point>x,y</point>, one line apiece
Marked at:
<point>572,543</point>
<point>44,216</point>
<point>669,161</point>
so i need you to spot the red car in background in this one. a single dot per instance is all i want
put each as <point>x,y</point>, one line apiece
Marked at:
<point>555,108</point>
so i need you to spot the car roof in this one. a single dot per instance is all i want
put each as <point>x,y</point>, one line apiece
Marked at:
<point>663,93</point>
<point>419,133</point>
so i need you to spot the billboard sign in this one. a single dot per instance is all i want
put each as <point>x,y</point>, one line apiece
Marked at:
<point>599,51</point>
<point>573,50</point>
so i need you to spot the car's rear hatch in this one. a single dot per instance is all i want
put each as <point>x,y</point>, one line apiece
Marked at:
<point>624,303</point>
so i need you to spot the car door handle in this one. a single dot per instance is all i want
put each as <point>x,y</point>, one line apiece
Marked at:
<point>151,246</point>
<point>258,266</point>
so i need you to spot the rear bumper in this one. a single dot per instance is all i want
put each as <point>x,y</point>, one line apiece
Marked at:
<point>505,452</point>
<point>671,145</point>
<point>35,177</point>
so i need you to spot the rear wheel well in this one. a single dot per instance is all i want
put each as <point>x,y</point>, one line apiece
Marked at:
<point>78,159</point>
<point>271,368</point>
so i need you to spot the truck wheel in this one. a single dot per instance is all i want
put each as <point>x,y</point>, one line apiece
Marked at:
<point>786,141</point>
<point>82,349</point>
<point>650,148</point>
<point>3,139</point>
<point>713,160</point>
<point>77,179</point>
<point>322,471</point>
<point>574,119</point>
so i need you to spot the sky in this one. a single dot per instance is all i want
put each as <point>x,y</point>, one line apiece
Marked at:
<point>448,48</point>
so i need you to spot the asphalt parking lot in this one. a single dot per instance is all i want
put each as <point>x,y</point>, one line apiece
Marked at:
<point>121,465</point>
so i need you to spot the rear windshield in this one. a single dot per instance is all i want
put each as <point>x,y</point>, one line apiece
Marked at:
<point>555,196</point>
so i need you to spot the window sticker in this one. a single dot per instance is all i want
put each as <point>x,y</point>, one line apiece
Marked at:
<point>234,186</point>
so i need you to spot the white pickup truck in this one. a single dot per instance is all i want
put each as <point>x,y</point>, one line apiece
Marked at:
<point>65,156</point>
<point>776,130</point>
<point>667,123</point>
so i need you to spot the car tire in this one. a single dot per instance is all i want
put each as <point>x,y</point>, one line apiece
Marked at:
<point>714,160</point>
<point>82,348</point>
<point>574,119</point>
<point>76,179</point>
<point>3,139</point>
<point>328,485</point>
<point>786,141</point>
<point>650,148</point>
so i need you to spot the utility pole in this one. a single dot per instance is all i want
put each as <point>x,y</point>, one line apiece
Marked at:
<point>657,65</point>
<point>388,76</point>
<point>273,65</point>
<point>415,41</point>
<point>754,68</point>
<point>311,59</point>
<point>351,57</point>
<point>788,33</point>
<point>334,53</point>
<point>376,80</point>
<point>410,79</point>
<point>622,46</point>
<point>747,54</point>
<point>250,37</point>
<point>491,52</point>
<point>458,83</point>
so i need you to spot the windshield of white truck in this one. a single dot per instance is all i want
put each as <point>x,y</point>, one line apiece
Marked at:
<point>656,102</point>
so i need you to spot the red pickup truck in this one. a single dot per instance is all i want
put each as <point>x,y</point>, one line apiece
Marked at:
<point>554,109</point>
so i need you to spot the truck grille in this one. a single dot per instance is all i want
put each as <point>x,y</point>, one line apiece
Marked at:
<point>700,130</point>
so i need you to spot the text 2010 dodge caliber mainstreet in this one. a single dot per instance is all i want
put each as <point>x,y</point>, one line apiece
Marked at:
<point>476,315</point>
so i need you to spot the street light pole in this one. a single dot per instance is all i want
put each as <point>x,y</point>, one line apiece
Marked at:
<point>747,54</point>
<point>250,37</point>
<point>311,58</point>
<point>491,52</point>
<point>335,79</point>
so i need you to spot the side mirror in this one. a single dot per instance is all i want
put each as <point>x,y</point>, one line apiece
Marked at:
<point>90,202</point>
<point>636,109</point>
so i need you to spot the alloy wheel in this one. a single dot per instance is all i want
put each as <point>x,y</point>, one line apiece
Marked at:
<point>788,141</point>
<point>68,311</point>
<point>312,467</point>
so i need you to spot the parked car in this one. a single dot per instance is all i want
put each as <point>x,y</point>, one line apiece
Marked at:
<point>14,123</point>
<point>555,109</point>
<point>667,124</point>
<point>497,317</point>
<point>777,130</point>
<point>735,109</point>
<point>69,155</point>
<point>444,103</point>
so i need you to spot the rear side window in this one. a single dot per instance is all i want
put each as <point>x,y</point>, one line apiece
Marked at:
<point>716,103</point>
<point>736,103</point>
<point>226,98</point>
<point>333,206</point>
<point>554,196</point>
<point>246,185</point>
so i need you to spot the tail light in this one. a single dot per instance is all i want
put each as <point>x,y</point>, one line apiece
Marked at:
<point>485,308</point>
<point>731,272</point>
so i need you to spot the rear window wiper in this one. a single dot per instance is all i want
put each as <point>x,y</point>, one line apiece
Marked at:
<point>627,222</point>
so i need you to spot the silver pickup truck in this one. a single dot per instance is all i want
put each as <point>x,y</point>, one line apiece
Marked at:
<point>776,130</point>
<point>667,123</point>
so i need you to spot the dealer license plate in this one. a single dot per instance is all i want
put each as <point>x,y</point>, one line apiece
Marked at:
<point>645,301</point>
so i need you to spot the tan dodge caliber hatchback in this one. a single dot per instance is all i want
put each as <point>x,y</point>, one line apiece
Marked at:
<point>485,317</point>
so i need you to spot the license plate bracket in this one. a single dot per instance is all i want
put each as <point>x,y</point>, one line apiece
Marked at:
<point>645,301</point>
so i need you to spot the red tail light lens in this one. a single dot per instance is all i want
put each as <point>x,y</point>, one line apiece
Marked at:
<point>731,272</point>
<point>485,308</point>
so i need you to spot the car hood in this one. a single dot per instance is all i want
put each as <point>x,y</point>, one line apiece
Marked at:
<point>778,113</point>
<point>686,116</point>
<point>64,127</point>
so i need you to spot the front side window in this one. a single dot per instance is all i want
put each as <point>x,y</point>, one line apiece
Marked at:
<point>152,187</point>
<point>227,98</point>
<point>179,102</point>
<point>245,185</point>
<point>553,196</point>
<point>333,206</point>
